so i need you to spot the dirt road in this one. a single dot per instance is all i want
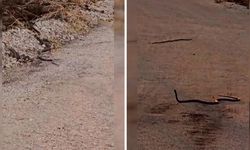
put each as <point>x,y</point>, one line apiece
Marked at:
<point>214,62</point>
<point>66,106</point>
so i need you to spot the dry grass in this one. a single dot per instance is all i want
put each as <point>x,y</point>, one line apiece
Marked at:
<point>23,12</point>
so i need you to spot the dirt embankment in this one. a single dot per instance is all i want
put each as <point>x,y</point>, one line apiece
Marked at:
<point>33,30</point>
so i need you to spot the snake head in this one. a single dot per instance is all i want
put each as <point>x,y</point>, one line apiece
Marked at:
<point>230,98</point>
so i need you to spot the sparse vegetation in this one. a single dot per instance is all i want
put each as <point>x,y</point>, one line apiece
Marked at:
<point>32,28</point>
<point>23,12</point>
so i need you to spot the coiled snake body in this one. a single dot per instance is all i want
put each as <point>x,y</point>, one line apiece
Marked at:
<point>216,101</point>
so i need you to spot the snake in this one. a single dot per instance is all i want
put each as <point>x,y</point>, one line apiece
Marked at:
<point>215,102</point>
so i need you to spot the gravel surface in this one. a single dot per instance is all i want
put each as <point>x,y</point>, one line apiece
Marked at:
<point>65,106</point>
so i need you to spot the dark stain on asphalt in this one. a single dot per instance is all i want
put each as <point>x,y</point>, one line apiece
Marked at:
<point>201,128</point>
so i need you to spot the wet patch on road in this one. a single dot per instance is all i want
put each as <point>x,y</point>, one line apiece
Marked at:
<point>160,108</point>
<point>200,128</point>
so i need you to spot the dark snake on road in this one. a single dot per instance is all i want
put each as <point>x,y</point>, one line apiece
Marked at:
<point>216,101</point>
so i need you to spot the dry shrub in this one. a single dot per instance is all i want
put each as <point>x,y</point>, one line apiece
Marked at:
<point>23,12</point>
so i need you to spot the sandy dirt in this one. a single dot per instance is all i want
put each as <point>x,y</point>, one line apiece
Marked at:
<point>65,106</point>
<point>119,74</point>
<point>119,91</point>
<point>214,62</point>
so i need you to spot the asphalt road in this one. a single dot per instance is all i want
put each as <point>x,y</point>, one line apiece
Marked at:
<point>214,62</point>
